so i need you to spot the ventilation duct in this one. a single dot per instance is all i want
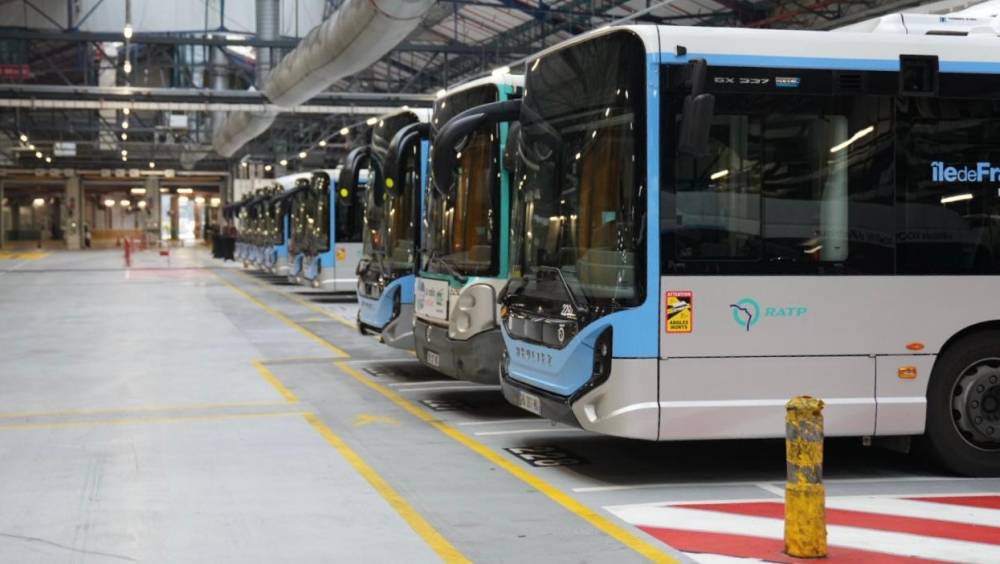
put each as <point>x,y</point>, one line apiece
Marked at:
<point>268,29</point>
<point>360,33</point>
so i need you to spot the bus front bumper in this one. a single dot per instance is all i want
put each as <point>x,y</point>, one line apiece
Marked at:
<point>475,360</point>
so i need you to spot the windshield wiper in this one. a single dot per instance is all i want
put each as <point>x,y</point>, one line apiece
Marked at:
<point>435,255</point>
<point>569,290</point>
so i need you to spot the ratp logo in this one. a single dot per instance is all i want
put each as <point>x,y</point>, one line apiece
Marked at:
<point>747,312</point>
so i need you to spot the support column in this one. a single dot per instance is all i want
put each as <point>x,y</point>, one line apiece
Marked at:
<point>175,218</point>
<point>153,224</point>
<point>72,214</point>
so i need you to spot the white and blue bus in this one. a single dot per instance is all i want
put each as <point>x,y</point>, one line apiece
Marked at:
<point>393,213</point>
<point>332,233</point>
<point>466,259</point>
<point>709,222</point>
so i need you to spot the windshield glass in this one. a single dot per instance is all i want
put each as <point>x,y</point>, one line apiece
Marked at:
<point>394,232</point>
<point>298,220</point>
<point>320,234</point>
<point>582,172</point>
<point>464,229</point>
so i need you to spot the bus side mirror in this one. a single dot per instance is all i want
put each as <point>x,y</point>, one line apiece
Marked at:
<point>697,113</point>
<point>349,174</point>
<point>403,142</point>
<point>444,158</point>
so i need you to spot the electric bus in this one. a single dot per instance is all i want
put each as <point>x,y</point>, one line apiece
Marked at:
<point>465,263</point>
<point>393,212</point>
<point>273,229</point>
<point>713,221</point>
<point>333,234</point>
<point>288,206</point>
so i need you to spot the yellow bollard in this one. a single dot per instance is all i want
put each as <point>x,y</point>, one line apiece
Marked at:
<point>805,496</point>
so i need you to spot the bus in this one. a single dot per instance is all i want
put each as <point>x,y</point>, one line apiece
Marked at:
<point>712,221</point>
<point>393,212</point>
<point>291,204</point>
<point>332,233</point>
<point>466,263</point>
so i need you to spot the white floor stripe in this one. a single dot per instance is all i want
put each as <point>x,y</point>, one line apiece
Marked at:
<point>890,479</point>
<point>448,388</point>
<point>528,431</point>
<point>918,509</point>
<point>496,422</point>
<point>848,537</point>
<point>772,489</point>
<point>421,383</point>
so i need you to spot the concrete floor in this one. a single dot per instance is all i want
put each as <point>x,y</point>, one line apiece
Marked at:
<point>200,413</point>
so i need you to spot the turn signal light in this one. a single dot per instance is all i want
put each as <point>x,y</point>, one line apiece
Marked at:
<point>504,312</point>
<point>907,372</point>
<point>915,346</point>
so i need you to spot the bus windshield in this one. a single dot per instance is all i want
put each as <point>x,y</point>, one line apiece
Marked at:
<point>582,171</point>
<point>394,232</point>
<point>463,230</point>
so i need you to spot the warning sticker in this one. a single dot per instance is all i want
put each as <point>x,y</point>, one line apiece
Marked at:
<point>680,311</point>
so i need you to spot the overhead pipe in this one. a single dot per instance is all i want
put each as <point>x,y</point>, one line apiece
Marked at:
<point>356,36</point>
<point>268,29</point>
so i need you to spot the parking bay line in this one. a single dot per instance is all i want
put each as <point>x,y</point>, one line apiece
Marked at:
<point>591,516</point>
<point>528,431</point>
<point>427,532</point>
<point>284,318</point>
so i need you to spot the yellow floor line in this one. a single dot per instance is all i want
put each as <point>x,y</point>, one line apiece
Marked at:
<point>434,539</point>
<point>303,302</point>
<point>139,409</point>
<point>145,420</point>
<point>589,515</point>
<point>275,383</point>
<point>288,321</point>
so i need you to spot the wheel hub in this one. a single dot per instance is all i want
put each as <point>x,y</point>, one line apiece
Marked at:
<point>976,405</point>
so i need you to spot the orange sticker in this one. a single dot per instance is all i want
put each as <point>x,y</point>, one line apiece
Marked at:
<point>680,311</point>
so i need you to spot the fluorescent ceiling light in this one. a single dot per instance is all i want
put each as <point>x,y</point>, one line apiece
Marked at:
<point>854,138</point>
<point>956,198</point>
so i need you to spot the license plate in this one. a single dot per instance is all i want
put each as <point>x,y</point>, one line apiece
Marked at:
<point>529,402</point>
<point>433,359</point>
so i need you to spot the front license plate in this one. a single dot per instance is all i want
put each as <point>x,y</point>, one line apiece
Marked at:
<point>529,402</point>
<point>433,359</point>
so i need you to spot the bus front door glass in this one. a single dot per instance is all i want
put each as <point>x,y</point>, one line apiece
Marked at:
<point>582,174</point>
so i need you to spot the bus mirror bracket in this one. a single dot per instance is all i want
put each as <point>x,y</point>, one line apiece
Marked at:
<point>451,135</point>
<point>394,167</point>
<point>697,113</point>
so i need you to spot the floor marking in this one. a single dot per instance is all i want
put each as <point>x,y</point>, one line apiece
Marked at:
<point>498,422</point>
<point>138,409</point>
<point>421,383</point>
<point>449,388</point>
<point>772,489</point>
<point>434,539</point>
<point>297,360</point>
<point>854,524</point>
<point>600,522</point>
<point>145,420</point>
<point>366,419</point>
<point>275,383</point>
<point>287,320</point>
<point>528,431</point>
<point>299,300</point>
<point>752,483</point>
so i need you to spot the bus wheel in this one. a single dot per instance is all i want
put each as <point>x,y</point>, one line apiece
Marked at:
<point>963,406</point>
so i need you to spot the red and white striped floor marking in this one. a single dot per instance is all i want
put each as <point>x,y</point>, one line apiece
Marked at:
<point>860,529</point>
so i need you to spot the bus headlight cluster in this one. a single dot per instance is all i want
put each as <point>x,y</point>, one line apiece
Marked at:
<point>602,357</point>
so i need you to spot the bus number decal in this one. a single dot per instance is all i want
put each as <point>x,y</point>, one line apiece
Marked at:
<point>680,311</point>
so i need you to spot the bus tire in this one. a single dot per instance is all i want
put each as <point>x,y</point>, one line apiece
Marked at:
<point>963,406</point>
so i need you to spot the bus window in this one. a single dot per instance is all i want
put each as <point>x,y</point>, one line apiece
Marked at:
<point>793,184</point>
<point>949,172</point>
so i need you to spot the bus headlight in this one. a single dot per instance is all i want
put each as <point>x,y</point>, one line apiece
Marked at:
<point>602,357</point>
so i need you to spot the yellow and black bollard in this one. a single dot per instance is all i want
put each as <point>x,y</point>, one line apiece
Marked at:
<point>805,496</point>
